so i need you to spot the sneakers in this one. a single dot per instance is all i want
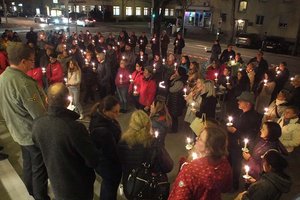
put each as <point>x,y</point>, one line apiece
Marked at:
<point>81,117</point>
<point>3,156</point>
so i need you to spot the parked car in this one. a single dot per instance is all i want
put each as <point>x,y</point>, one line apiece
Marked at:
<point>86,21</point>
<point>61,20</point>
<point>250,40</point>
<point>275,44</point>
<point>41,18</point>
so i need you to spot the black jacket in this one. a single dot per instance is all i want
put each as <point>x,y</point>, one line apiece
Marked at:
<point>208,106</point>
<point>68,153</point>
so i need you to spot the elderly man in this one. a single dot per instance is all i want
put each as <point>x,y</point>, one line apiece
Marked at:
<point>21,102</point>
<point>244,126</point>
<point>67,149</point>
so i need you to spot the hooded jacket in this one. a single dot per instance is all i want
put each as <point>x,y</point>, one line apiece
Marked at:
<point>269,187</point>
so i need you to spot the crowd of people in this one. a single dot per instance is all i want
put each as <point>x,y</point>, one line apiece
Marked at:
<point>116,74</point>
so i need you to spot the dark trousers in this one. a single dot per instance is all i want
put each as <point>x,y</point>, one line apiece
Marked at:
<point>111,177</point>
<point>174,128</point>
<point>235,159</point>
<point>164,52</point>
<point>35,175</point>
<point>89,93</point>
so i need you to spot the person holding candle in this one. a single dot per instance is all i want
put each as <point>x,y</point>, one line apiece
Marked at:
<point>137,77</point>
<point>130,58</point>
<point>147,90</point>
<point>136,146</point>
<point>143,41</point>
<point>154,44</point>
<point>245,125</point>
<point>64,58</point>
<point>209,174</point>
<point>269,139</point>
<point>122,82</point>
<point>273,181</point>
<point>104,75</point>
<point>54,71</point>
<point>105,132</point>
<point>89,78</point>
<point>236,65</point>
<point>37,74</point>
<point>179,44</point>
<point>212,70</point>
<point>160,118</point>
<point>185,63</point>
<point>193,74</point>
<point>227,54</point>
<point>281,78</point>
<point>142,57</point>
<point>73,84</point>
<point>265,91</point>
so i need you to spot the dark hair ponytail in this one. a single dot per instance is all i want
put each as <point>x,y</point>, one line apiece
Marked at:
<point>105,104</point>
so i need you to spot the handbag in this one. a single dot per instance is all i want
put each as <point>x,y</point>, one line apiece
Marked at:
<point>143,184</point>
<point>198,124</point>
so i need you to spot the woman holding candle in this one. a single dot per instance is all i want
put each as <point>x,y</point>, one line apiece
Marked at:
<point>272,183</point>
<point>73,84</point>
<point>122,82</point>
<point>264,92</point>
<point>193,74</point>
<point>106,133</point>
<point>269,139</point>
<point>179,44</point>
<point>212,70</point>
<point>209,174</point>
<point>154,44</point>
<point>135,84</point>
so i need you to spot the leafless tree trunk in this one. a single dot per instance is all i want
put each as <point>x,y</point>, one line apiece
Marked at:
<point>232,21</point>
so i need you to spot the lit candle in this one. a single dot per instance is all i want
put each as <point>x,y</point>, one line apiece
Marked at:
<point>184,90</point>
<point>129,40</point>
<point>70,51</point>
<point>141,41</point>
<point>176,43</point>
<point>189,144</point>
<point>194,155</point>
<point>154,67</point>
<point>266,111</point>
<point>141,58</point>
<point>121,78</point>
<point>118,43</point>
<point>113,47</point>
<point>230,119</point>
<point>227,80</point>
<point>193,106</point>
<point>156,134</point>
<point>292,79</point>
<point>175,66</point>
<point>130,78</point>
<point>265,82</point>
<point>86,61</point>
<point>153,39</point>
<point>123,57</point>
<point>230,57</point>
<point>65,79</point>
<point>104,51</point>
<point>216,75</point>
<point>164,61</point>
<point>135,90</point>
<point>247,169</point>
<point>245,148</point>
<point>43,70</point>
<point>94,68</point>
<point>205,48</point>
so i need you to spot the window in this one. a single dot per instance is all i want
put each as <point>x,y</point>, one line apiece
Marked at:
<point>128,11</point>
<point>55,1</point>
<point>171,12</point>
<point>283,22</point>
<point>116,10</point>
<point>83,8</point>
<point>166,12</point>
<point>223,17</point>
<point>138,11</point>
<point>259,19</point>
<point>146,11</point>
<point>243,6</point>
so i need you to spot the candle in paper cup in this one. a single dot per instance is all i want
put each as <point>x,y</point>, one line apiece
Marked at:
<point>123,57</point>
<point>216,75</point>
<point>43,70</point>
<point>135,89</point>
<point>121,78</point>
<point>184,90</point>
<point>227,80</point>
<point>156,134</point>
<point>247,169</point>
<point>266,111</point>
<point>130,78</point>
<point>189,145</point>
<point>230,119</point>
<point>265,82</point>
<point>163,61</point>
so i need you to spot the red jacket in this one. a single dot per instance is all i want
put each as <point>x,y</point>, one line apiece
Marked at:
<point>3,61</point>
<point>54,73</point>
<point>125,77</point>
<point>137,77</point>
<point>147,92</point>
<point>37,75</point>
<point>202,180</point>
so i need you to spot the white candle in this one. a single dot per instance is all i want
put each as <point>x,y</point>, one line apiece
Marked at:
<point>175,66</point>
<point>142,58</point>
<point>43,70</point>
<point>134,89</point>
<point>265,82</point>
<point>246,140</point>
<point>230,57</point>
<point>164,61</point>
<point>130,78</point>
<point>129,40</point>
<point>94,68</point>
<point>247,169</point>
<point>194,156</point>
<point>104,51</point>
<point>292,79</point>
<point>227,80</point>
<point>121,78</point>
<point>86,61</point>
<point>184,90</point>
<point>118,43</point>
<point>193,106</point>
<point>176,43</point>
<point>113,47</point>
<point>65,79</point>
<point>189,144</point>
<point>266,111</point>
<point>230,119</point>
<point>156,134</point>
<point>205,48</point>
<point>216,75</point>
<point>123,57</point>
<point>141,41</point>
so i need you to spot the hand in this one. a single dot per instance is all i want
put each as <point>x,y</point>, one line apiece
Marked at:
<point>231,129</point>
<point>240,196</point>
<point>246,155</point>
<point>146,108</point>
<point>250,180</point>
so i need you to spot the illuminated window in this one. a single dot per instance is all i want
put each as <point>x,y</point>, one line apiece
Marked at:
<point>55,1</point>
<point>128,11</point>
<point>146,11</point>
<point>166,12</point>
<point>138,11</point>
<point>260,19</point>
<point>243,6</point>
<point>116,10</point>
<point>171,12</point>
<point>283,22</point>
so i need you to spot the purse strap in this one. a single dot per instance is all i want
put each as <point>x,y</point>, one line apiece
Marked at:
<point>203,117</point>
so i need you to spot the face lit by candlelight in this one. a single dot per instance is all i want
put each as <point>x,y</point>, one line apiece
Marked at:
<point>200,143</point>
<point>264,132</point>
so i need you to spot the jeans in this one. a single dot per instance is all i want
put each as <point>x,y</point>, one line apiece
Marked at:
<point>75,93</point>
<point>35,175</point>
<point>122,93</point>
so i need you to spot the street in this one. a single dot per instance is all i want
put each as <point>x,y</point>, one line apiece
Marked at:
<point>175,143</point>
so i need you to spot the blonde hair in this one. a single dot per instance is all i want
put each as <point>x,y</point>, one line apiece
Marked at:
<point>138,131</point>
<point>160,106</point>
<point>209,88</point>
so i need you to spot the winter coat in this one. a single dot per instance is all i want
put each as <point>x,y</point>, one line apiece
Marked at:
<point>261,147</point>
<point>202,179</point>
<point>165,41</point>
<point>275,110</point>
<point>125,80</point>
<point>290,136</point>
<point>104,74</point>
<point>295,99</point>
<point>37,75</point>
<point>226,55</point>
<point>54,73</point>
<point>215,52</point>
<point>175,100</point>
<point>179,44</point>
<point>68,153</point>
<point>147,91</point>
<point>3,61</point>
<point>74,78</point>
<point>137,77</point>
<point>269,187</point>
<point>207,106</point>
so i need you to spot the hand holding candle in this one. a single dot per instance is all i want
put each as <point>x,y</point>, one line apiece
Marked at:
<point>43,70</point>
<point>245,148</point>
<point>163,61</point>
<point>135,90</point>
<point>156,134</point>
<point>193,107</point>
<point>265,82</point>
<point>194,155</point>
<point>247,169</point>
<point>230,119</point>
<point>227,80</point>
<point>216,75</point>
<point>184,90</point>
<point>189,144</point>
<point>266,111</point>
<point>121,78</point>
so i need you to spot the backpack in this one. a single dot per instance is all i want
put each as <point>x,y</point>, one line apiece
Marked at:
<point>143,184</point>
